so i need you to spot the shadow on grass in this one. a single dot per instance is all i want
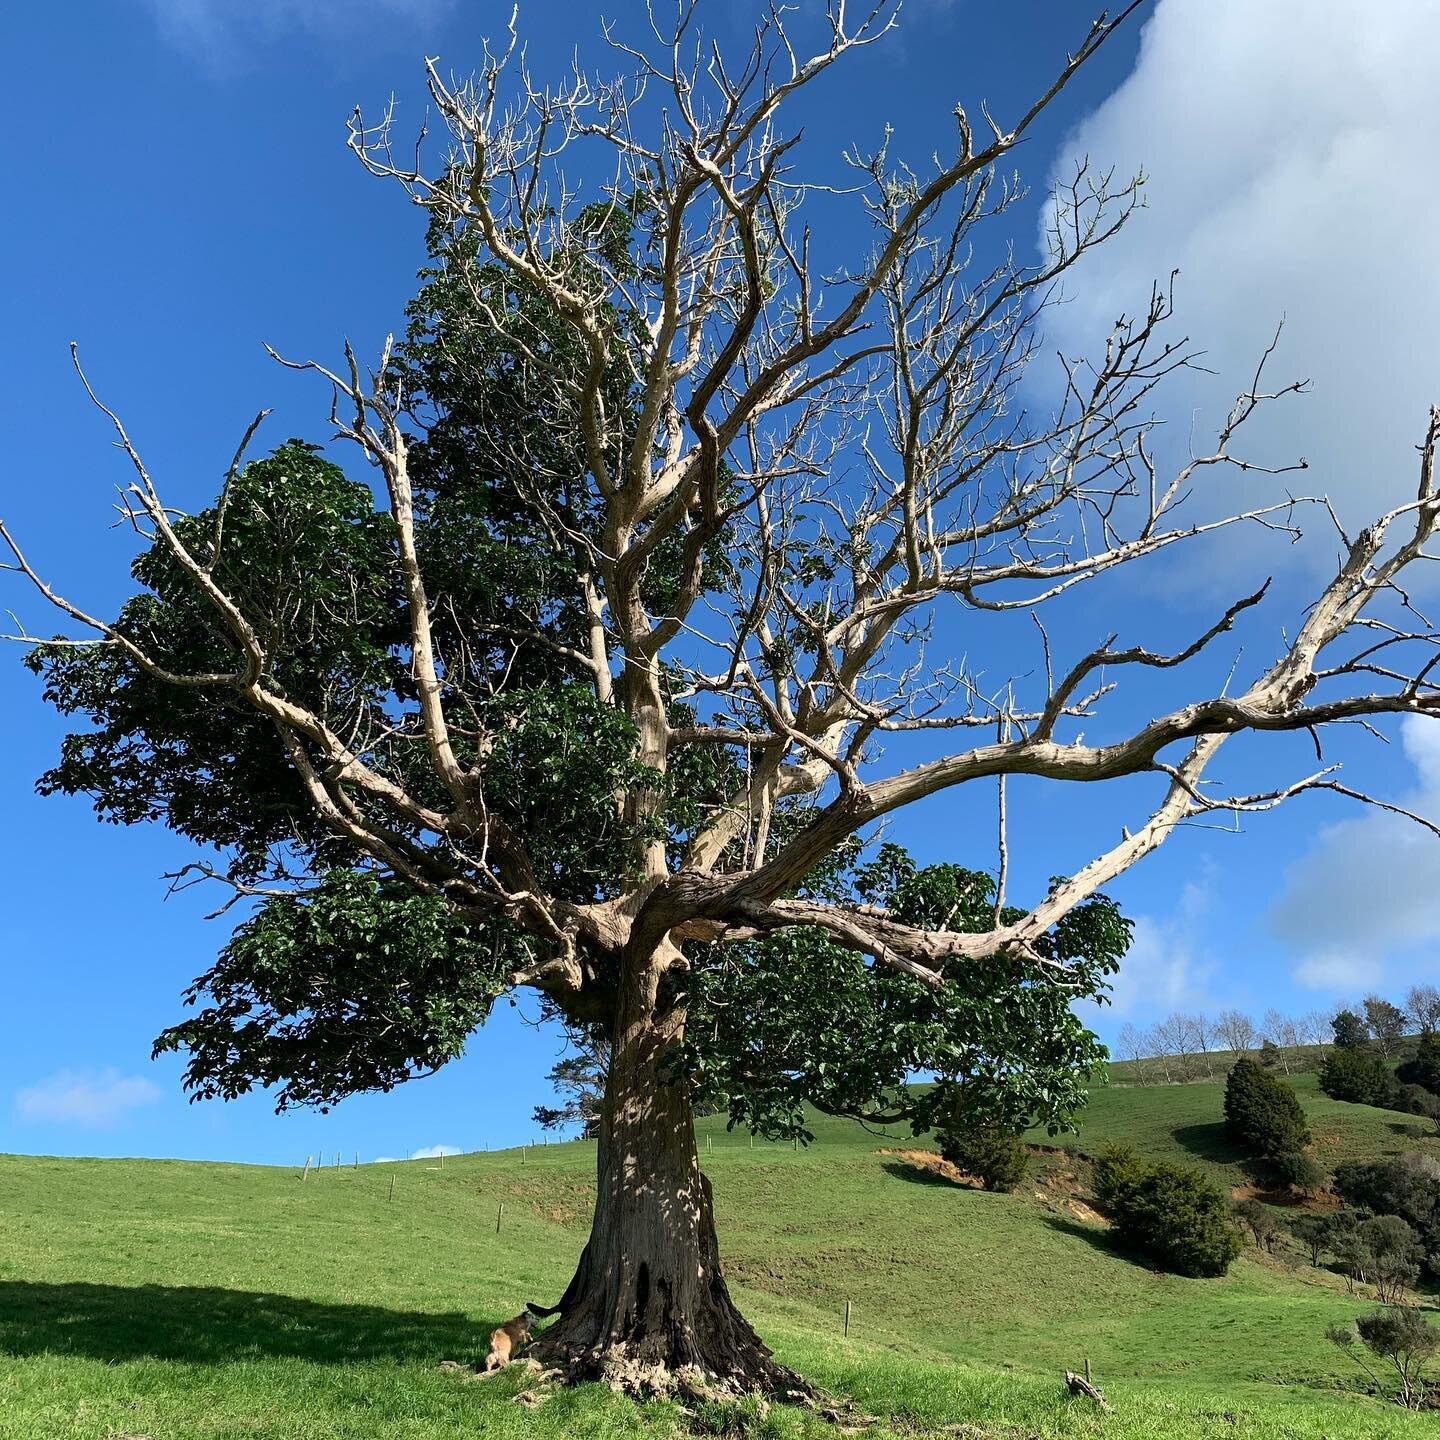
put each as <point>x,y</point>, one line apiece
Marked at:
<point>210,1325</point>
<point>1209,1142</point>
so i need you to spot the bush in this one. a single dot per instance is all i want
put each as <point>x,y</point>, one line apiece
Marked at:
<point>1179,1219</point>
<point>1315,1233</point>
<point>995,1156</point>
<point>1424,1069</point>
<point>1403,1337</point>
<point>1417,1100</point>
<point>1118,1170</point>
<point>1259,1219</point>
<point>1352,1074</point>
<point>1301,1173</point>
<point>1262,1112</point>
<point>1404,1185</point>
<point>1351,1032</point>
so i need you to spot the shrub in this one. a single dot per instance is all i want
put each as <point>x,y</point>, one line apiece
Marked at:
<point>1300,1172</point>
<point>1259,1219</point>
<point>1315,1233</point>
<point>1118,1170</point>
<point>1262,1112</point>
<point>1424,1069</point>
<point>994,1155</point>
<point>1417,1100</point>
<point>1404,1185</point>
<point>1351,1074</point>
<point>1179,1219</point>
<point>1403,1337</point>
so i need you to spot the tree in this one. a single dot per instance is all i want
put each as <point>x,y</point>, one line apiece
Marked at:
<point>1300,1172</point>
<point>1178,1218</point>
<point>580,1078</point>
<point>1386,1024</point>
<point>1236,1031</point>
<point>1130,1043</point>
<point>1314,1232</point>
<point>1259,1219</point>
<point>608,713</point>
<point>1424,1067</point>
<point>1403,1337</point>
<point>1283,1035</point>
<point>1422,1005</point>
<point>1175,1036</point>
<point>1406,1185</point>
<point>1351,1032</point>
<point>1352,1074</point>
<point>1262,1113</point>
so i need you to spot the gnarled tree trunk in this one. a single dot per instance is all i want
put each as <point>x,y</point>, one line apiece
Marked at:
<point>648,1308</point>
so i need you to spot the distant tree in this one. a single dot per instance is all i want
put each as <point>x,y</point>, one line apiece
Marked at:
<point>1405,1185</point>
<point>1154,1041</point>
<point>994,1154</point>
<point>1353,1074</point>
<point>1259,1219</point>
<point>1301,1172</point>
<point>1314,1232</point>
<point>1315,1027</point>
<point>580,1079</point>
<point>1176,1036</point>
<point>1262,1113</point>
<point>1281,1032</point>
<point>1394,1255</point>
<point>1179,1218</point>
<point>1417,1100</point>
<point>1236,1031</point>
<point>1386,1023</point>
<point>1350,1030</point>
<point>1130,1043</point>
<point>1270,1053</point>
<point>1424,1068</point>
<point>1400,1335</point>
<point>1422,1005</point>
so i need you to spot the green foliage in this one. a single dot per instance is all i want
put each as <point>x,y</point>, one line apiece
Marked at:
<point>1300,1172</point>
<point>1386,1023</point>
<point>995,1156</point>
<point>797,1018</point>
<point>1176,1217</point>
<point>1350,1073</point>
<point>1262,1112</point>
<point>1350,1030</point>
<point>1314,1232</point>
<point>1423,1068</point>
<point>1118,1169</point>
<point>1401,1336</point>
<point>358,985</point>
<point>1259,1219</point>
<point>1404,1185</point>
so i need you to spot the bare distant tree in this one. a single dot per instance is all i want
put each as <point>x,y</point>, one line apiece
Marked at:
<point>1281,1031</point>
<point>1236,1031</point>
<point>850,428</point>
<point>1154,1041</point>
<point>1422,1005</point>
<point>1130,1045</point>
<point>1315,1027</point>
<point>1176,1034</point>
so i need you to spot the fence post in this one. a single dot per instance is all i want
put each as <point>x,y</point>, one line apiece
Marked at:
<point>499,1216</point>
<point>306,1174</point>
<point>847,1319</point>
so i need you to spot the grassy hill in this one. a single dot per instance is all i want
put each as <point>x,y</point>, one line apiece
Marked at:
<point>146,1298</point>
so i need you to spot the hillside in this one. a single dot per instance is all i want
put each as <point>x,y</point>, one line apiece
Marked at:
<point>143,1298</point>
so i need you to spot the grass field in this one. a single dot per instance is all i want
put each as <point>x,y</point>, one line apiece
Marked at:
<point>147,1298</point>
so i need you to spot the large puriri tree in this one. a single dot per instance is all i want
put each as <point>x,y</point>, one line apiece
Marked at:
<point>592,700</point>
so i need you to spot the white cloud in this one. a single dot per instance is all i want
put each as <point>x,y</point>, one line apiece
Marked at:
<point>1369,887</point>
<point>1290,152</point>
<point>434,1152</point>
<point>1167,967</point>
<point>85,1099</point>
<point>213,28</point>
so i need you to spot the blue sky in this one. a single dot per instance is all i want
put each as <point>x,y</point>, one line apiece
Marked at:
<point>181,193</point>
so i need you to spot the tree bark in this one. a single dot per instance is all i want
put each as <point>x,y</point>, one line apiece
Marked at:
<point>648,1309</point>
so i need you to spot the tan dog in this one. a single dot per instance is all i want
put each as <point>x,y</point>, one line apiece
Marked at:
<point>506,1341</point>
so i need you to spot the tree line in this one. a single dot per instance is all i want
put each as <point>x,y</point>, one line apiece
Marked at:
<point>1190,1045</point>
